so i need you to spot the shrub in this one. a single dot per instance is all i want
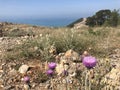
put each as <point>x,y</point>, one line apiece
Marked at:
<point>64,39</point>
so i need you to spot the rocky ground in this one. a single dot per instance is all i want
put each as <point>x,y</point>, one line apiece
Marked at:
<point>112,79</point>
<point>11,76</point>
<point>13,72</point>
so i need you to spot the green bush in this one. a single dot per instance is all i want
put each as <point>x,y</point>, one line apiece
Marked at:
<point>105,18</point>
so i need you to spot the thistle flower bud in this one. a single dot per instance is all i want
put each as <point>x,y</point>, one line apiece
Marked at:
<point>52,65</point>
<point>26,79</point>
<point>49,72</point>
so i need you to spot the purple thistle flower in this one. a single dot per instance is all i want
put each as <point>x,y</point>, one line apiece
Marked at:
<point>52,65</point>
<point>26,79</point>
<point>49,72</point>
<point>89,62</point>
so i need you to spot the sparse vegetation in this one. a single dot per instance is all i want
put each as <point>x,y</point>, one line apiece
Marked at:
<point>98,39</point>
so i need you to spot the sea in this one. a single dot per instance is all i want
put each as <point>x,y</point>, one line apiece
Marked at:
<point>48,22</point>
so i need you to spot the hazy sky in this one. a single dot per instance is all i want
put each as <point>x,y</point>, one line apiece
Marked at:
<point>54,8</point>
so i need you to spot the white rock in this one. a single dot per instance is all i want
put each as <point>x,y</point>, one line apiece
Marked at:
<point>66,67</point>
<point>23,69</point>
<point>12,72</point>
<point>26,87</point>
<point>59,69</point>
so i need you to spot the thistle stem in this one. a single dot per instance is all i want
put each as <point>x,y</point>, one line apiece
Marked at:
<point>87,83</point>
<point>52,83</point>
<point>86,77</point>
<point>89,80</point>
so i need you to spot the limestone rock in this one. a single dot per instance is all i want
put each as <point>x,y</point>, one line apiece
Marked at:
<point>23,69</point>
<point>12,72</point>
<point>112,78</point>
<point>26,87</point>
<point>59,69</point>
<point>74,56</point>
<point>66,67</point>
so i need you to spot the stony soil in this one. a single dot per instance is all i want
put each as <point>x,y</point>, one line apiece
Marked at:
<point>12,79</point>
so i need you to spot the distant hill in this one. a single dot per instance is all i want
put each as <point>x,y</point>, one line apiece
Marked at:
<point>75,22</point>
<point>78,23</point>
<point>100,18</point>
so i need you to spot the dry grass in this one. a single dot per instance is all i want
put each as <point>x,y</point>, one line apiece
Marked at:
<point>101,40</point>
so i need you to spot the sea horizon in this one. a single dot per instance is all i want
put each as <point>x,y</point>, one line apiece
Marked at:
<point>48,22</point>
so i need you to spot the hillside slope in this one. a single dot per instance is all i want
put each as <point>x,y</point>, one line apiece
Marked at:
<point>78,23</point>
